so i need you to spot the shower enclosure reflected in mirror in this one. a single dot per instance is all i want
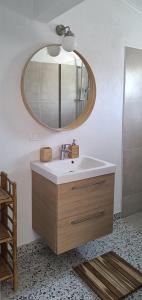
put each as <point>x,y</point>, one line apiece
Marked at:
<point>56,90</point>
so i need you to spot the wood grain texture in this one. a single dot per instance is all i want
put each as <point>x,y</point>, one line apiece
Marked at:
<point>5,271</point>
<point>4,196</point>
<point>85,196</point>
<point>8,230</point>
<point>73,235</point>
<point>45,154</point>
<point>108,279</point>
<point>44,208</point>
<point>71,214</point>
<point>4,234</point>
<point>85,211</point>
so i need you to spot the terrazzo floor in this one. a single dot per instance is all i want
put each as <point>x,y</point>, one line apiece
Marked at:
<point>43,275</point>
<point>135,220</point>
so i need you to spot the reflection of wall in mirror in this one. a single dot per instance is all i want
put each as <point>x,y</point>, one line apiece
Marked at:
<point>68,94</point>
<point>41,89</point>
<point>56,97</point>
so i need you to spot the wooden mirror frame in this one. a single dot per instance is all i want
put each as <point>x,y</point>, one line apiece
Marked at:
<point>90,101</point>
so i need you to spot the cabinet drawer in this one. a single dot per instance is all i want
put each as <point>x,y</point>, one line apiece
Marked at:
<point>84,196</point>
<point>75,231</point>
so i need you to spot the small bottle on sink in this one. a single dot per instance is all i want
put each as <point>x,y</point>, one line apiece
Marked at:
<point>73,150</point>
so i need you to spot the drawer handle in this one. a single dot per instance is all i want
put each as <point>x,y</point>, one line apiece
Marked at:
<point>84,219</point>
<point>87,186</point>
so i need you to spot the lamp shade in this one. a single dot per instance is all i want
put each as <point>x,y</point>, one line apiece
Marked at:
<point>53,50</point>
<point>68,43</point>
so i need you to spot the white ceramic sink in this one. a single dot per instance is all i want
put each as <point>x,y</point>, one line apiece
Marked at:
<point>62,171</point>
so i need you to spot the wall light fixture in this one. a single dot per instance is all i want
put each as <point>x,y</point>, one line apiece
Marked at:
<point>68,41</point>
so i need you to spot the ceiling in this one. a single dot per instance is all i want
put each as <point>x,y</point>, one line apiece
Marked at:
<point>135,4</point>
<point>40,10</point>
<point>47,10</point>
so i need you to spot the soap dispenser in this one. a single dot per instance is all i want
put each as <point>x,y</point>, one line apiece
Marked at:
<point>73,150</point>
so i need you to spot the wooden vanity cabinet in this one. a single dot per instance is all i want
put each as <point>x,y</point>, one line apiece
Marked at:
<point>71,214</point>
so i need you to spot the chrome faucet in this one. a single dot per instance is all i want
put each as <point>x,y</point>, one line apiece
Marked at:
<point>64,150</point>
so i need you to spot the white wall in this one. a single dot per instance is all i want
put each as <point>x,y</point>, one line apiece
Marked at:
<point>103,28</point>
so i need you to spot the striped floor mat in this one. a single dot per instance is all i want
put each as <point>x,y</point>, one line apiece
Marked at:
<point>110,276</point>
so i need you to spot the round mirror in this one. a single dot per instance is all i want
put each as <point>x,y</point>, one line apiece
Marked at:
<point>58,88</point>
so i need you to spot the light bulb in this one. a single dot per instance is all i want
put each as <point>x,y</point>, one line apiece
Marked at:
<point>53,50</point>
<point>68,43</point>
